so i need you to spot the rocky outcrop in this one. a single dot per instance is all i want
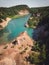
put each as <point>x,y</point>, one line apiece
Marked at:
<point>23,12</point>
<point>26,25</point>
<point>15,52</point>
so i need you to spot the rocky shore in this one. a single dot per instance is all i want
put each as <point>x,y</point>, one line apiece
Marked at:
<point>4,22</point>
<point>16,52</point>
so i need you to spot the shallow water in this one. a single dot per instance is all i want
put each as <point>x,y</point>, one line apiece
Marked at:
<point>14,28</point>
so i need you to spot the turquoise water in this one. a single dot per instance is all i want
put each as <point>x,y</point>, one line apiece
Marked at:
<point>14,28</point>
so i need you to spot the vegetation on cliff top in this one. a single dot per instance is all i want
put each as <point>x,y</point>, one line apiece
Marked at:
<point>40,35</point>
<point>11,11</point>
<point>40,21</point>
<point>37,15</point>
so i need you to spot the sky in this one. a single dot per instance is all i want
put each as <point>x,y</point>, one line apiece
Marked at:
<point>30,3</point>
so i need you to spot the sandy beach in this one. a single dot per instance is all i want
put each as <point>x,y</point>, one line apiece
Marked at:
<point>4,23</point>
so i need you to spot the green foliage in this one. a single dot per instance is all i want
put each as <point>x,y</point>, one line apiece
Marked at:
<point>11,11</point>
<point>34,58</point>
<point>34,10</point>
<point>43,52</point>
<point>38,55</point>
<point>33,22</point>
<point>2,17</point>
<point>42,12</point>
<point>39,47</point>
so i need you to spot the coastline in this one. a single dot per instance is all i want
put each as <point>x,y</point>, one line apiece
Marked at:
<point>20,46</point>
<point>4,23</point>
<point>18,16</point>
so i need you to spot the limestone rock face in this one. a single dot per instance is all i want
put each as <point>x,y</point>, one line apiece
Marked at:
<point>7,61</point>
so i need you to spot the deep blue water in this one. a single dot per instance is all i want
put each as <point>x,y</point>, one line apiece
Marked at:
<point>14,28</point>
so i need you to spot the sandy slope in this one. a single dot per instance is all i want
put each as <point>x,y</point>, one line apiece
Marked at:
<point>5,22</point>
<point>16,53</point>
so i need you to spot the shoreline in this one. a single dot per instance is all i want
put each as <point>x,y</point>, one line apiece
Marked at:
<point>20,45</point>
<point>4,23</point>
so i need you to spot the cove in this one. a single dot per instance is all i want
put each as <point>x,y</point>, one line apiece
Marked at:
<point>14,28</point>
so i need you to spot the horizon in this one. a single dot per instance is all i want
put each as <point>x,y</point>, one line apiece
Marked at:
<point>23,4</point>
<point>29,3</point>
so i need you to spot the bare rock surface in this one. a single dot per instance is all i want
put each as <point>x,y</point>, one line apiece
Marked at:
<point>15,52</point>
<point>7,61</point>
